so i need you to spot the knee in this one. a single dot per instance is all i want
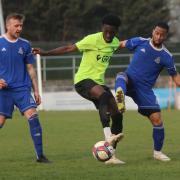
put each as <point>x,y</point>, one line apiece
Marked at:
<point>156,121</point>
<point>33,116</point>
<point>30,113</point>
<point>34,121</point>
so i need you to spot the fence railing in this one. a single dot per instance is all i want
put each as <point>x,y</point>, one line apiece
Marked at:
<point>71,63</point>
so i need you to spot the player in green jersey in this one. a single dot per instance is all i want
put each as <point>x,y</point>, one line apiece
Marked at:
<point>97,50</point>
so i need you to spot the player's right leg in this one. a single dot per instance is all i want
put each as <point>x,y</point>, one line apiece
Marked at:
<point>113,140</point>
<point>94,92</point>
<point>116,117</point>
<point>104,96</point>
<point>120,90</point>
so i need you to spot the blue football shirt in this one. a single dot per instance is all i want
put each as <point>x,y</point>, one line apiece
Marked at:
<point>148,61</point>
<point>13,59</point>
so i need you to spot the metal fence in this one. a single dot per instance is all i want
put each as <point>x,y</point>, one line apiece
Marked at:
<point>51,66</point>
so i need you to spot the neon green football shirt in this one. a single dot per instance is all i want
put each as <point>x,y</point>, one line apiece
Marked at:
<point>96,56</point>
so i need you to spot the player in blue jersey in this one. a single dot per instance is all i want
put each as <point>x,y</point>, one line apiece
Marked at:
<point>17,75</point>
<point>150,57</point>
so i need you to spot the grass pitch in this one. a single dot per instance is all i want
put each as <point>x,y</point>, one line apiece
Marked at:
<point>68,139</point>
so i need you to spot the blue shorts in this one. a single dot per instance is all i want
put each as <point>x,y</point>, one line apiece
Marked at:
<point>9,98</point>
<point>143,96</point>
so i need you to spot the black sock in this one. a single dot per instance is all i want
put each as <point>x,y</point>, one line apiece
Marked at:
<point>103,109</point>
<point>117,125</point>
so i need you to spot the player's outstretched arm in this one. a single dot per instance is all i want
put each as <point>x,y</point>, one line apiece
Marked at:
<point>122,44</point>
<point>32,74</point>
<point>176,79</point>
<point>54,52</point>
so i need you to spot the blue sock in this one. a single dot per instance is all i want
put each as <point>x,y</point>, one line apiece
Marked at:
<point>120,82</point>
<point>158,137</point>
<point>1,126</point>
<point>36,134</point>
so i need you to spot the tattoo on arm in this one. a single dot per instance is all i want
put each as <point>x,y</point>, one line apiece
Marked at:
<point>32,74</point>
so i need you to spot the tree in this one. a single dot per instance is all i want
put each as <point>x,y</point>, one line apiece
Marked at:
<point>139,17</point>
<point>70,20</point>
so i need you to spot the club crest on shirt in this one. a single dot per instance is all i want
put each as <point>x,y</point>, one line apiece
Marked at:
<point>3,49</point>
<point>157,60</point>
<point>143,50</point>
<point>20,51</point>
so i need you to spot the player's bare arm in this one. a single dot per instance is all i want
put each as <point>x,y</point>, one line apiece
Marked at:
<point>3,83</point>
<point>122,44</point>
<point>176,79</point>
<point>57,51</point>
<point>33,77</point>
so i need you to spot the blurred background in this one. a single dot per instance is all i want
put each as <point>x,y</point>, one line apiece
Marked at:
<point>52,23</point>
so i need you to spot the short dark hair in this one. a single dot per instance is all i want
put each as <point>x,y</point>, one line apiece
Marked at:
<point>163,25</point>
<point>18,16</point>
<point>112,20</point>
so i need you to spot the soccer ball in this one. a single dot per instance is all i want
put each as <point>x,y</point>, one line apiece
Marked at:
<point>102,151</point>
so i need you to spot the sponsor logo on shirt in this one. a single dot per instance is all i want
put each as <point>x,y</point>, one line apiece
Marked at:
<point>3,49</point>
<point>157,60</point>
<point>143,50</point>
<point>103,58</point>
<point>20,51</point>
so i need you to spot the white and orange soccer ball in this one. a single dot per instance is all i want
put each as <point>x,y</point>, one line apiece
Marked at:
<point>102,151</point>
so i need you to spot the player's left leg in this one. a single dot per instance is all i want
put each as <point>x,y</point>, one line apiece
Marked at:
<point>27,106</point>
<point>116,117</point>
<point>158,136</point>
<point>116,127</point>
<point>36,133</point>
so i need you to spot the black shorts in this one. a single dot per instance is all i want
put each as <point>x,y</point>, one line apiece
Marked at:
<point>83,88</point>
